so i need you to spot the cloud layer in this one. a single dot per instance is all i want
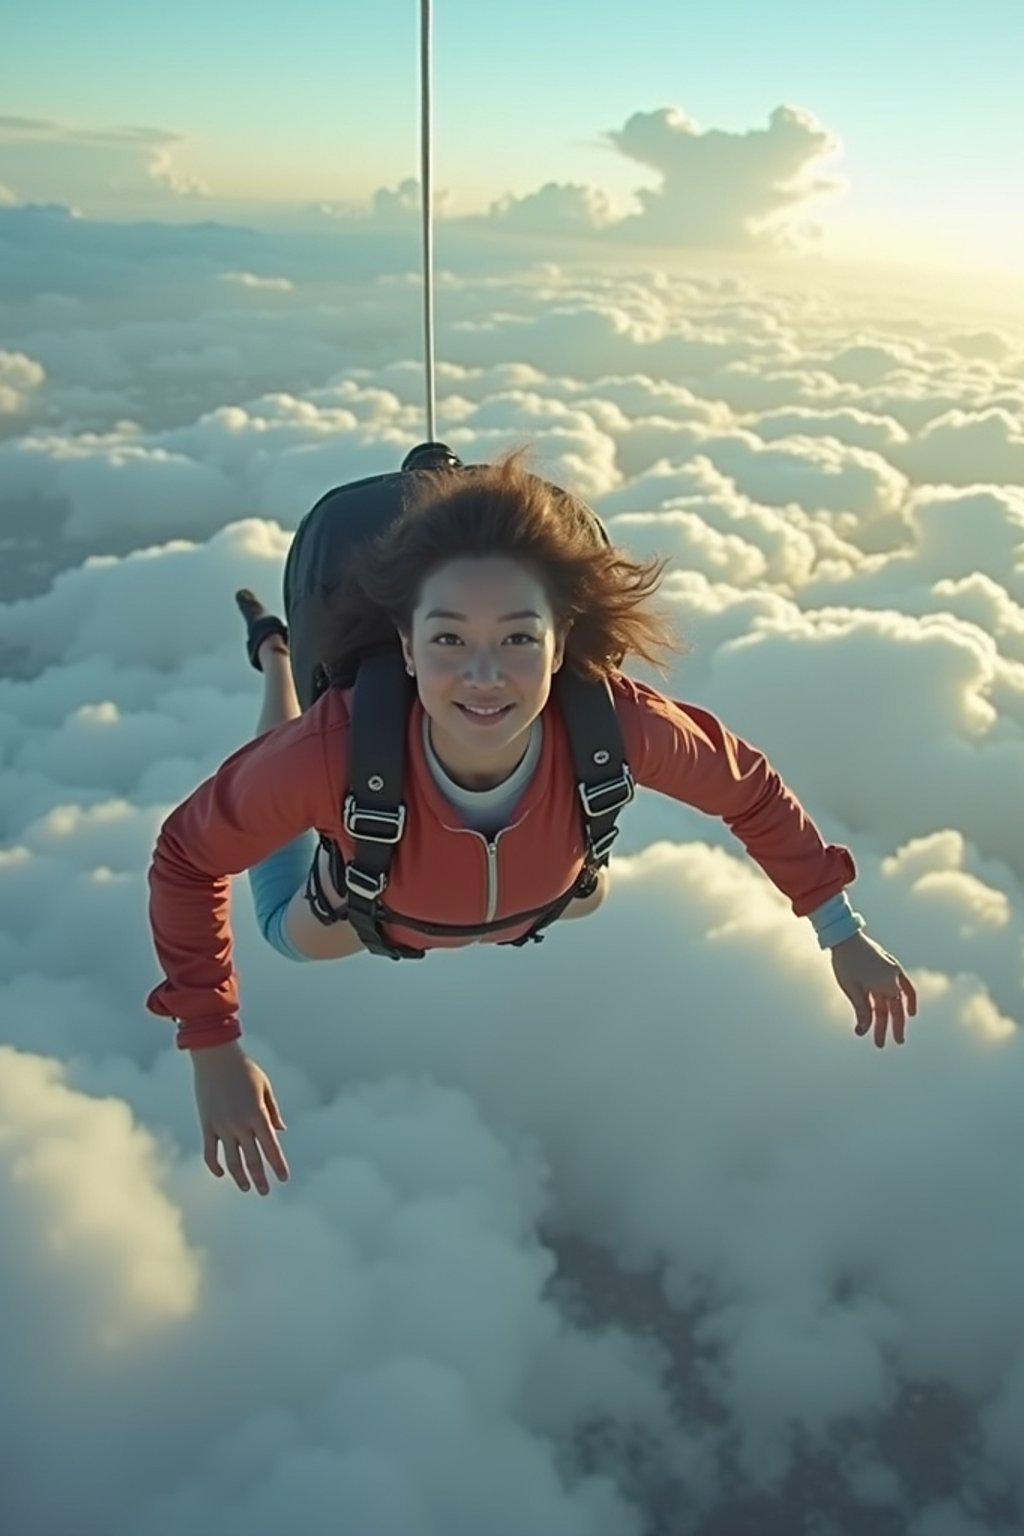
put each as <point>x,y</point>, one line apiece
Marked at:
<point>626,1234</point>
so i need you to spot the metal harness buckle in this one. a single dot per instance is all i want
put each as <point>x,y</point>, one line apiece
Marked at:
<point>599,846</point>
<point>624,786</point>
<point>355,815</point>
<point>369,887</point>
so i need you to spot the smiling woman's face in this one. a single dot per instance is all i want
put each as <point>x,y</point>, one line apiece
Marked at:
<point>483,647</point>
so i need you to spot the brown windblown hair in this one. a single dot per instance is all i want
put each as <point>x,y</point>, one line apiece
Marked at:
<point>600,598</point>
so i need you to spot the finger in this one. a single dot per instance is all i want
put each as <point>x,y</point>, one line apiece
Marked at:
<point>276,1118</point>
<point>910,993</point>
<point>210,1157</point>
<point>272,1151</point>
<point>862,1008</point>
<point>233,1158</point>
<point>896,1015</point>
<point>881,1003</point>
<point>254,1163</point>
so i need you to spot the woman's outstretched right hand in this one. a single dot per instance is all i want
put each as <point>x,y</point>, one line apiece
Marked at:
<point>237,1108</point>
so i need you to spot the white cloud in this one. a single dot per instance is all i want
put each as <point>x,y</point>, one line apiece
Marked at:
<point>152,609</point>
<point>943,679</point>
<point>961,533</point>
<point>848,425</point>
<point>982,601</point>
<point>870,362</point>
<point>703,514</point>
<point>555,210</point>
<point>969,448</point>
<point>647,1239</point>
<point>263,284</point>
<point>716,189</point>
<point>725,189</point>
<point>813,472</point>
<point>989,345</point>
<point>84,1177</point>
<point>402,205</point>
<point>20,376</point>
<point>416,1219</point>
<point>55,162</point>
<point>162,169</point>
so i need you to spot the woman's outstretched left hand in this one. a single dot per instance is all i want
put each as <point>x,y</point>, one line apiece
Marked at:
<point>876,985</point>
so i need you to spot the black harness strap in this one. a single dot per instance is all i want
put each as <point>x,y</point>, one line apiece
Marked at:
<point>603,781</point>
<point>603,778</point>
<point>374,811</point>
<point>316,897</point>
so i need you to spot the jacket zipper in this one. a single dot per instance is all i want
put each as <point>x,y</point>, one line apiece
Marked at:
<point>491,848</point>
<point>492,877</point>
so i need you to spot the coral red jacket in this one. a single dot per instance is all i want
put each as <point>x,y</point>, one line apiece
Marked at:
<point>296,777</point>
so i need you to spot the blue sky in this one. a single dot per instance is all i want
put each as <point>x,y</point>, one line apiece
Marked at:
<point>318,101</point>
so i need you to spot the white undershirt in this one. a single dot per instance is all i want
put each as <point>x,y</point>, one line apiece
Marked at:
<point>486,810</point>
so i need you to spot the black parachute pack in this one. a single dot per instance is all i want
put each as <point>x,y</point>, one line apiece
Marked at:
<point>374,813</point>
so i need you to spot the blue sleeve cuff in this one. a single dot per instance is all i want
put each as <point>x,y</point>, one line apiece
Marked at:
<point>835,921</point>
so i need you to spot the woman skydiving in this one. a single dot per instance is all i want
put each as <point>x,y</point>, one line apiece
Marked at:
<point>507,621</point>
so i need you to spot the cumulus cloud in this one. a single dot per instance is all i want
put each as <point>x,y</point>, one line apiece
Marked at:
<point>624,1234</point>
<point>391,206</point>
<point>556,210</point>
<point>717,189</point>
<point>390,210</point>
<point>989,345</point>
<point>20,376</point>
<point>725,189</point>
<point>161,169</point>
<point>57,162</point>
<point>969,448</point>
<point>428,1269</point>
<point>857,428</point>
